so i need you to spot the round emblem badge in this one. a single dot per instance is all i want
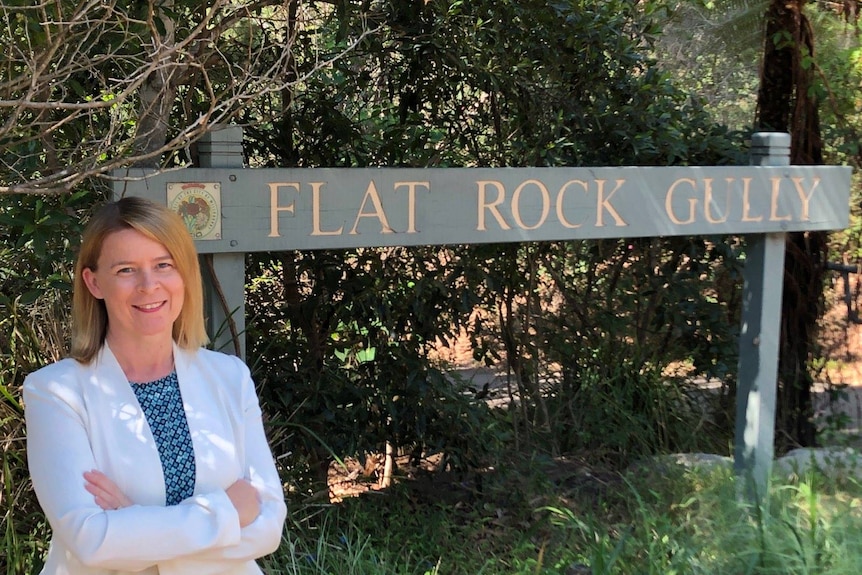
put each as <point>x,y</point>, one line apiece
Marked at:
<point>198,208</point>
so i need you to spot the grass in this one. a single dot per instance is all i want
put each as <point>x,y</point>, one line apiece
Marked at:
<point>552,517</point>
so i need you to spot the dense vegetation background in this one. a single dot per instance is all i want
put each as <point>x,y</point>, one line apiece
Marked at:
<point>600,340</point>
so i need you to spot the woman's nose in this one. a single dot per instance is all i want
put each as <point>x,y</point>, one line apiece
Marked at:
<point>146,281</point>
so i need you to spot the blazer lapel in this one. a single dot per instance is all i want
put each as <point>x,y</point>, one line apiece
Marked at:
<point>210,415</point>
<point>123,443</point>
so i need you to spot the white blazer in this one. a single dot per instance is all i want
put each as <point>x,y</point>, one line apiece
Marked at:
<point>82,417</point>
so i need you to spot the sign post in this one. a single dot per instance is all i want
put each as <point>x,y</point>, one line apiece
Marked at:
<point>756,391</point>
<point>223,272</point>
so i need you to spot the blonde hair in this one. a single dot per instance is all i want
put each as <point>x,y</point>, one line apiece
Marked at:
<point>89,315</point>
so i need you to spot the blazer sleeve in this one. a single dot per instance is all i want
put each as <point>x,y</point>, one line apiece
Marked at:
<point>263,536</point>
<point>128,539</point>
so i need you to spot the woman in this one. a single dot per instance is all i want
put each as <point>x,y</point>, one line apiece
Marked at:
<point>147,451</point>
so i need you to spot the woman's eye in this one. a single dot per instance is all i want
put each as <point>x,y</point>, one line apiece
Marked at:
<point>165,265</point>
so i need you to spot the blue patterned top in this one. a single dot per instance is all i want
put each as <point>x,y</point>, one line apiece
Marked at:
<point>163,408</point>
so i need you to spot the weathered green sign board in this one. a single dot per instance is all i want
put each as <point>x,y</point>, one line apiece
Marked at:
<point>232,210</point>
<point>250,210</point>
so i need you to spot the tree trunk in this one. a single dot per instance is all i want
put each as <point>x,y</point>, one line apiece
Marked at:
<point>784,104</point>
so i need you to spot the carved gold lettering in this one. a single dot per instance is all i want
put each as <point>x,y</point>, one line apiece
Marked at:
<point>746,202</point>
<point>773,202</point>
<point>315,212</point>
<point>492,206</point>
<point>371,194</point>
<point>604,204</point>
<point>411,202</point>
<point>561,196</point>
<point>516,204</point>
<point>275,209</point>
<point>708,201</point>
<point>668,202</point>
<point>803,197</point>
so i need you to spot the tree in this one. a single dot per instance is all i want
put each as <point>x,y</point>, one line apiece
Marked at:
<point>792,86</point>
<point>787,103</point>
<point>88,87</point>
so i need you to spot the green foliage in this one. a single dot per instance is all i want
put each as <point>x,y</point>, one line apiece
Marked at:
<point>37,242</point>
<point>839,75</point>
<point>452,524</point>
<point>625,415</point>
<point>344,355</point>
<point>337,337</point>
<point>589,329</point>
<point>23,526</point>
<point>561,517</point>
<point>491,84</point>
<point>692,521</point>
<point>29,337</point>
<point>38,238</point>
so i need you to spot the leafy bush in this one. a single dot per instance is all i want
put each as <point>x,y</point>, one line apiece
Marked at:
<point>339,343</point>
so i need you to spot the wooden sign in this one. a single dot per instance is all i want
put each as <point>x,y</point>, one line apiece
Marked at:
<point>272,209</point>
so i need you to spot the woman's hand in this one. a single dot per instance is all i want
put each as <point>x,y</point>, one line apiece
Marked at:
<point>108,496</point>
<point>246,501</point>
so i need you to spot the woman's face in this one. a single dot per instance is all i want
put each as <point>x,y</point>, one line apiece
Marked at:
<point>140,285</point>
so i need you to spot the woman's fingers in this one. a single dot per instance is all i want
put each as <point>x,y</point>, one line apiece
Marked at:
<point>246,500</point>
<point>105,492</point>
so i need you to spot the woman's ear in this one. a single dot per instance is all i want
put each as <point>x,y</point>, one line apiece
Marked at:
<point>92,283</point>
